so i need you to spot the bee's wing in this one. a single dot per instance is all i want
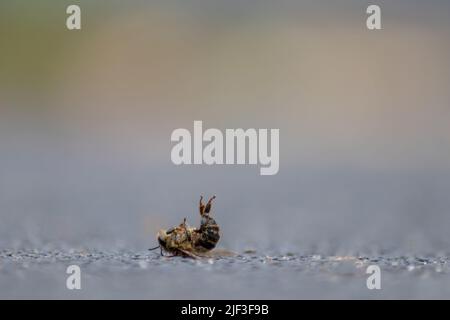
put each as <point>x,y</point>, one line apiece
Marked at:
<point>218,253</point>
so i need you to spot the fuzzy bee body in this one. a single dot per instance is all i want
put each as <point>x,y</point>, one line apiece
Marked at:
<point>186,241</point>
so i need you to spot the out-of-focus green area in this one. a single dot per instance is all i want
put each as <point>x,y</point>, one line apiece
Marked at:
<point>34,43</point>
<point>340,94</point>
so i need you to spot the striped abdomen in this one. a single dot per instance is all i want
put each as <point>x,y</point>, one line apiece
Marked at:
<point>209,233</point>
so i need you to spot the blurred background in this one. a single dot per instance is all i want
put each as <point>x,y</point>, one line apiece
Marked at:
<point>364,118</point>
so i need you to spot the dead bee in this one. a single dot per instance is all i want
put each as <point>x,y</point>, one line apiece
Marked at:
<point>191,242</point>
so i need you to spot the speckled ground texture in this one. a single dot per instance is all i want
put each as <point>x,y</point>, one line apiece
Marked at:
<point>248,274</point>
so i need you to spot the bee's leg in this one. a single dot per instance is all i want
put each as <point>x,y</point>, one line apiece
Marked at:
<point>201,206</point>
<point>189,254</point>
<point>208,205</point>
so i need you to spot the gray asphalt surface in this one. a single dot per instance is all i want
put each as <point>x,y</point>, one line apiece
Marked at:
<point>250,274</point>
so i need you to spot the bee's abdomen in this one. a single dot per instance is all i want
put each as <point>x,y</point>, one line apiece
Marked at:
<point>209,233</point>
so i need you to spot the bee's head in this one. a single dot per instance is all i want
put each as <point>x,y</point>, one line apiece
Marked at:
<point>162,242</point>
<point>162,238</point>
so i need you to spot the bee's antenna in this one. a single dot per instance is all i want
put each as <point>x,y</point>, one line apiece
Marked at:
<point>151,249</point>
